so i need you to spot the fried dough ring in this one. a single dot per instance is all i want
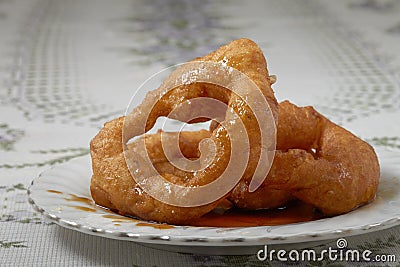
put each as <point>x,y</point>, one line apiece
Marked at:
<point>318,162</point>
<point>112,185</point>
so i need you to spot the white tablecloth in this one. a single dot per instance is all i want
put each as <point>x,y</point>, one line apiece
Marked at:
<point>68,66</point>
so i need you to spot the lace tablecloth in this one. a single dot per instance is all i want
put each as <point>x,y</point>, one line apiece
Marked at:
<point>68,66</point>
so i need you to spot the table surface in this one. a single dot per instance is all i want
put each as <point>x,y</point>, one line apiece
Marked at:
<point>68,66</point>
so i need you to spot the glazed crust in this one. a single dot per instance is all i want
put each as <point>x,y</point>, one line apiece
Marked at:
<point>112,185</point>
<point>318,162</point>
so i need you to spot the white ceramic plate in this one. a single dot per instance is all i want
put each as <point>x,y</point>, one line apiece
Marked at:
<point>54,193</point>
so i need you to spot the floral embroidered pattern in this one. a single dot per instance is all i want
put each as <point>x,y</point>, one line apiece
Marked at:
<point>9,136</point>
<point>13,206</point>
<point>181,30</point>
<point>12,244</point>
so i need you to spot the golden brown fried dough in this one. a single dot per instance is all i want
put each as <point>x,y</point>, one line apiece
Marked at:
<point>318,162</point>
<point>113,186</point>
